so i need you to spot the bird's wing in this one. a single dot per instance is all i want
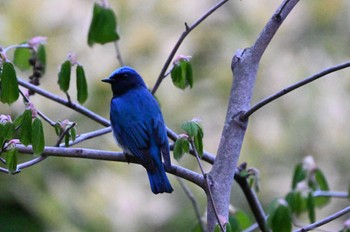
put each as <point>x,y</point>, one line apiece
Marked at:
<point>136,138</point>
<point>160,134</point>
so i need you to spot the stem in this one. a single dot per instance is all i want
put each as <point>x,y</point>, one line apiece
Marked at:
<point>190,196</point>
<point>253,200</point>
<point>84,111</point>
<point>209,193</point>
<point>118,54</point>
<point>180,40</point>
<point>324,220</point>
<point>295,86</point>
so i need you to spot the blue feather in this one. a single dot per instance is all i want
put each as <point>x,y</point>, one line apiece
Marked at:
<point>138,126</point>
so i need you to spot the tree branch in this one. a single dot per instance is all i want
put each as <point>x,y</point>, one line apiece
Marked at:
<point>244,67</point>
<point>84,111</point>
<point>109,156</point>
<point>295,86</point>
<point>324,220</point>
<point>252,199</point>
<point>190,196</point>
<point>180,40</point>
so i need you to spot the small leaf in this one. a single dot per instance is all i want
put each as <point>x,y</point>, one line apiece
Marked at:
<point>323,185</point>
<point>11,160</point>
<point>58,128</point>
<point>299,175</point>
<point>66,139</point>
<point>21,58</point>
<point>73,133</point>
<point>64,76</point>
<point>228,227</point>
<point>38,138</point>
<point>103,26</point>
<point>217,228</point>
<point>311,207</point>
<point>192,128</point>
<point>41,53</point>
<point>25,134</point>
<point>296,202</point>
<point>181,74</point>
<point>181,147</point>
<point>18,120</point>
<point>198,142</point>
<point>243,219</point>
<point>82,89</point>
<point>8,131</point>
<point>9,84</point>
<point>280,218</point>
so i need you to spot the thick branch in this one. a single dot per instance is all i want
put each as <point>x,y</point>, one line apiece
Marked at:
<point>110,156</point>
<point>244,66</point>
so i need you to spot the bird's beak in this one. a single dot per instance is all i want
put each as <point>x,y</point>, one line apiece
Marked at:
<point>107,80</point>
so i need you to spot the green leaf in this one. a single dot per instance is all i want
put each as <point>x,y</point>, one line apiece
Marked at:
<point>64,76</point>
<point>11,160</point>
<point>192,128</point>
<point>9,84</point>
<point>38,138</point>
<point>73,133</point>
<point>21,58</point>
<point>228,227</point>
<point>195,131</point>
<point>58,128</point>
<point>66,139</point>
<point>103,26</point>
<point>311,207</point>
<point>182,75</point>
<point>280,218</point>
<point>181,147</point>
<point>82,89</point>
<point>198,142</point>
<point>8,131</point>
<point>41,53</point>
<point>2,139</point>
<point>18,120</point>
<point>25,134</point>
<point>299,175</point>
<point>322,185</point>
<point>217,228</point>
<point>240,221</point>
<point>296,202</point>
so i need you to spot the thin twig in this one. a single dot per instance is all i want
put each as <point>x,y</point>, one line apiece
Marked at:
<point>333,194</point>
<point>290,88</point>
<point>89,135</point>
<point>209,193</point>
<point>118,53</point>
<point>324,220</point>
<point>42,115</point>
<point>190,196</point>
<point>252,199</point>
<point>43,157</point>
<point>180,40</point>
<point>84,111</point>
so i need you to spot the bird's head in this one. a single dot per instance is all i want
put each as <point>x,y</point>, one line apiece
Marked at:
<point>124,79</point>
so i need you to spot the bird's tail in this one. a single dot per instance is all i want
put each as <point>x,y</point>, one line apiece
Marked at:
<point>159,181</point>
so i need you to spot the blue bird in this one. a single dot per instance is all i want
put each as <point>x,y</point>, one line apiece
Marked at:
<point>138,126</point>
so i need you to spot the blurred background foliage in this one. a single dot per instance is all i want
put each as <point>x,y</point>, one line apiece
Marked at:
<point>82,195</point>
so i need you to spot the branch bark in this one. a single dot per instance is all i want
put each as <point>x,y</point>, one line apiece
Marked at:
<point>244,67</point>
